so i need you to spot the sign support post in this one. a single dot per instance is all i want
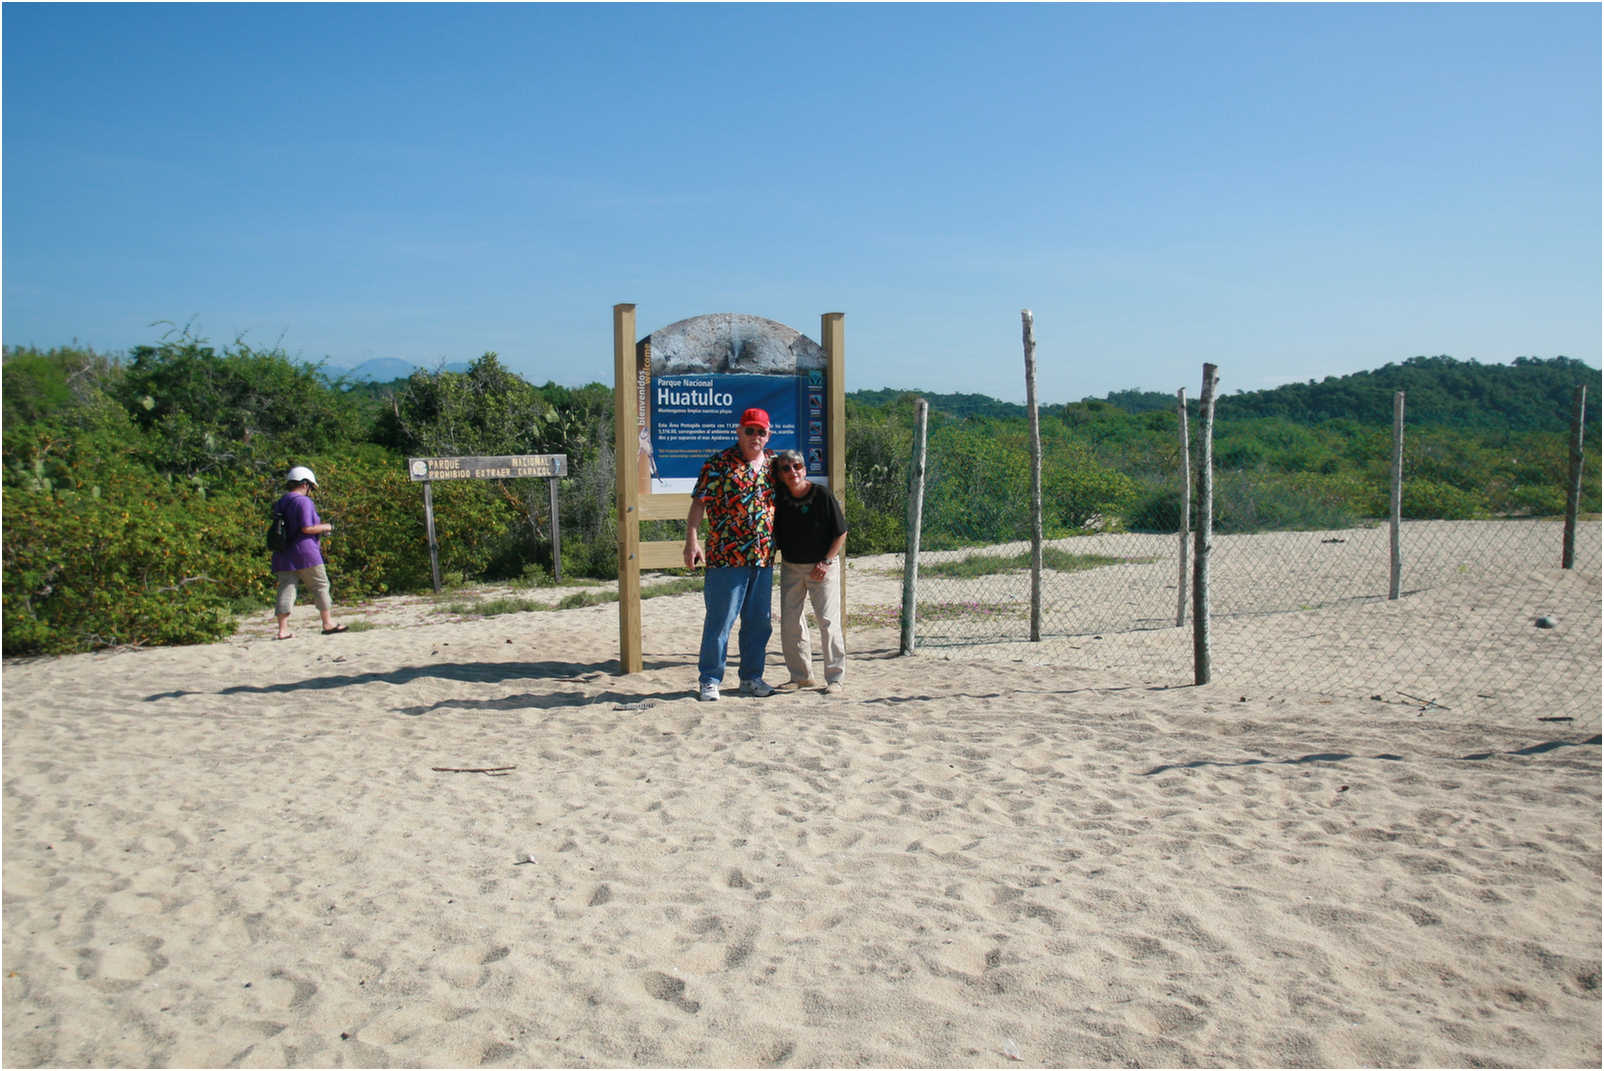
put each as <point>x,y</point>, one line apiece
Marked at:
<point>434,545</point>
<point>832,337</point>
<point>627,413</point>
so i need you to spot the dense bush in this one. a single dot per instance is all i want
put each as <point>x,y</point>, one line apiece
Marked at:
<point>136,491</point>
<point>879,448</point>
<point>978,489</point>
<point>223,414</point>
<point>114,555</point>
<point>1304,501</point>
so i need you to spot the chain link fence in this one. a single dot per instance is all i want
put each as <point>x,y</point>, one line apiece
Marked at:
<point>1485,614</point>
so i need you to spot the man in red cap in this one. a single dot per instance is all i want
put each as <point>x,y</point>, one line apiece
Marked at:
<point>736,496</point>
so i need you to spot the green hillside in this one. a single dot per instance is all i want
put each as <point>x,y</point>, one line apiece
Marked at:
<point>1531,394</point>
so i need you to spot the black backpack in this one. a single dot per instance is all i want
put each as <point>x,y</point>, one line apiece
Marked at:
<point>278,531</point>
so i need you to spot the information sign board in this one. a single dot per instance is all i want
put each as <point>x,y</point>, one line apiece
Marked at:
<point>694,378</point>
<point>511,467</point>
<point>549,467</point>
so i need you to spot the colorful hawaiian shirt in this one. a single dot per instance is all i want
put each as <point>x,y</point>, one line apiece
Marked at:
<point>740,510</point>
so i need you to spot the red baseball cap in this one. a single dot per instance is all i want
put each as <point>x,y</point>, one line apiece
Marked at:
<point>755,417</point>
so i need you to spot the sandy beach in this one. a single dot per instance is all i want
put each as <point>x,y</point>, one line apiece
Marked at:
<point>285,854</point>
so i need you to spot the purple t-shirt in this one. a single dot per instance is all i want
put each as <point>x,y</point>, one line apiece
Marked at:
<point>303,551</point>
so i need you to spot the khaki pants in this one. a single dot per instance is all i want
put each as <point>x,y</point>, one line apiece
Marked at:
<point>796,591</point>
<point>316,579</point>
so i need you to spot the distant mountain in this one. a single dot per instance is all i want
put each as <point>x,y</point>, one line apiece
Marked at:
<point>383,370</point>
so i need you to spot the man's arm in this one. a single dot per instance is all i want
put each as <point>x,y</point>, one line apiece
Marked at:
<point>693,520</point>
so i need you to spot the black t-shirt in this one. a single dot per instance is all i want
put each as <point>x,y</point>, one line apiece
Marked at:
<point>805,527</point>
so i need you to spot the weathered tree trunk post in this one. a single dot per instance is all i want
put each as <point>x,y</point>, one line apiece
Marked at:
<point>1573,490</point>
<point>556,533</point>
<point>1029,323</point>
<point>1186,510</point>
<point>1395,576</point>
<point>916,503</point>
<point>434,545</point>
<point>1201,669</point>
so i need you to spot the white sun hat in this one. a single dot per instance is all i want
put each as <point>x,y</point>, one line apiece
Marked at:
<point>299,473</point>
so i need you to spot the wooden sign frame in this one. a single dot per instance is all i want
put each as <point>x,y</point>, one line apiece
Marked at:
<point>635,506</point>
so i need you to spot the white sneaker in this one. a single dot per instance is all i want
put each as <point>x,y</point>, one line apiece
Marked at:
<point>757,687</point>
<point>709,692</point>
<point>835,688</point>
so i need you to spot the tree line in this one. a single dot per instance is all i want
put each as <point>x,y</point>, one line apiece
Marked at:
<point>137,486</point>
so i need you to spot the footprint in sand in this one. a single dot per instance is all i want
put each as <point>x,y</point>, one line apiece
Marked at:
<point>945,843</point>
<point>121,966</point>
<point>670,990</point>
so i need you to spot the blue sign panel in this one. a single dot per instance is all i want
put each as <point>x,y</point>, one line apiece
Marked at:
<point>698,376</point>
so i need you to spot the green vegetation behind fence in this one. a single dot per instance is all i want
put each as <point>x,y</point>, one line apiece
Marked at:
<point>136,487</point>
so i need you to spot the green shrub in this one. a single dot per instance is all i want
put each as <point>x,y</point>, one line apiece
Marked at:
<point>1537,501</point>
<point>871,530</point>
<point>1155,510</point>
<point>126,559</point>
<point>1434,500</point>
<point>1274,502</point>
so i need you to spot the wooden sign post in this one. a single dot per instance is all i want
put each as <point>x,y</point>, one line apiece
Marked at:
<point>426,470</point>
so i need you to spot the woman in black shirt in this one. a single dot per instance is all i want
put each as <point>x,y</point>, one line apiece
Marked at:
<point>810,531</point>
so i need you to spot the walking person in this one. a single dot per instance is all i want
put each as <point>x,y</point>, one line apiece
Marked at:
<point>301,560</point>
<point>811,532</point>
<point>735,494</point>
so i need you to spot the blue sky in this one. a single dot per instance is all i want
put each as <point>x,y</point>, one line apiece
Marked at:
<point>1288,191</point>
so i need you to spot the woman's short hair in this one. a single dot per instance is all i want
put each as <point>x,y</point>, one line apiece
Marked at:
<point>793,456</point>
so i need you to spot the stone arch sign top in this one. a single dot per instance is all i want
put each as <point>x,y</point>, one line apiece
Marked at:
<point>732,342</point>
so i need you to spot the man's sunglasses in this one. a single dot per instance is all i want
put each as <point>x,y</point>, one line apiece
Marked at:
<point>754,431</point>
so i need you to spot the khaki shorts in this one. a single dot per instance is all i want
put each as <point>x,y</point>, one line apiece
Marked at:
<point>316,580</point>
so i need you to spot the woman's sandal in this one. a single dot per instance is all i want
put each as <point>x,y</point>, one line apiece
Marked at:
<point>336,628</point>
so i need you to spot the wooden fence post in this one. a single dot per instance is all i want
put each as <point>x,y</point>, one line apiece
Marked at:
<point>1186,510</point>
<point>1202,670</point>
<point>1029,322</point>
<point>1573,490</point>
<point>1395,575</point>
<point>916,502</point>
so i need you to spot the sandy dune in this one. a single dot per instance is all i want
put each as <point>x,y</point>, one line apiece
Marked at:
<point>257,853</point>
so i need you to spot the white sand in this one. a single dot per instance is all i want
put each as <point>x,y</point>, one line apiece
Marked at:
<point>241,854</point>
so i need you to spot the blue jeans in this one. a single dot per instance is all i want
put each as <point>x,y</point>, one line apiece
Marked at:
<point>730,592</point>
